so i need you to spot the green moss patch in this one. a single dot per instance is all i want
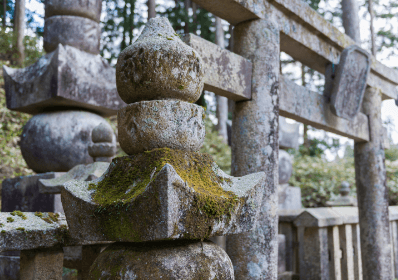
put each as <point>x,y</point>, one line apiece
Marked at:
<point>19,214</point>
<point>125,183</point>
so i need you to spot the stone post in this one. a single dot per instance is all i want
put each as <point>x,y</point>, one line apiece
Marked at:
<point>370,175</point>
<point>255,148</point>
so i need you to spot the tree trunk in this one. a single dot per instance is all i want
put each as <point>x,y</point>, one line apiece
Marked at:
<point>19,30</point>
<point>372,30</point>
<point>351,19</point>
<point>187,4</point>
<point>4,13</point>
<point>304,83</point>
<point>151,9</point>
<point>131,21</point>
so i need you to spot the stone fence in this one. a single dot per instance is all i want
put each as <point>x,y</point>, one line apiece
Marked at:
<point>324,243</point>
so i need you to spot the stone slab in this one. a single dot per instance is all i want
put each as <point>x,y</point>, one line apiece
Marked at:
<point>57,141</point>
<point>393,213</point>
<point>303,105</point>
<point>9,267</point>
<point>289,215</point>
<point>172,215</point>
<point>318,217</point>
<point>234,11</point>
<point>22,193</point>
<point>289,134</point>
<point>281,253</point>
<point>226,74</point>
<point>64,78</point>
<point>349,82</point>
<point>41,264</point>
<point>81,33</point>
<point>349,214</point>
<point>81,172</point>
<point>285,167</point>
<point>90,9</point>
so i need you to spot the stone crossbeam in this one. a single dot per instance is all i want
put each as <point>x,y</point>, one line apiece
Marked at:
<point>308,107</point>
<point>226,74</point>
<point>305,35</point>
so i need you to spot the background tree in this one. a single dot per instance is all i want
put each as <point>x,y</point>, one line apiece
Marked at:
<point>19,30</point>
<point>151,9</point>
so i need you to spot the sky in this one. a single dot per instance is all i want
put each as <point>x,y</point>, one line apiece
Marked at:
<point>389,109</point>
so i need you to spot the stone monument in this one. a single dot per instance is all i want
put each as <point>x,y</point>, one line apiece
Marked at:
<point>344,199</point>
<point>68,91</point>
<point>164,200</point>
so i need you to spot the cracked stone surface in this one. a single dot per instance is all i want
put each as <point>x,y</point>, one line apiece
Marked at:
<point>81,33</point>
<point>81,172</point>
<point>58,141</point>
<point>148,125</point>
<point>163,260</point>
<point>66,77</point>
<point>137,202</point>
<point>159,66</point>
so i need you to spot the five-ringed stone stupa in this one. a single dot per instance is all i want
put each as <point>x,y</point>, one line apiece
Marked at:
<point>165,199</point>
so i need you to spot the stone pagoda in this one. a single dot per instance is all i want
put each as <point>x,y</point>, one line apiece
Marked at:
<point>163,201</point>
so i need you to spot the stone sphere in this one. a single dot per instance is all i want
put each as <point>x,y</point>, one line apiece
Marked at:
<point>188,260</point>
<point>285,167</point>
<point>148,125</point>
<point>159,66</point>
<point>58,141</point>
<point>102,133</point>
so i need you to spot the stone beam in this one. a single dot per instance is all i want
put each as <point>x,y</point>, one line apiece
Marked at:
<point>309,38</point>
<point>303,105</point>
<point>226,74</point>
<point>234,11</point>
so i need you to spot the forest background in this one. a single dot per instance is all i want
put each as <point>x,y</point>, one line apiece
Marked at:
<point>322,161</point>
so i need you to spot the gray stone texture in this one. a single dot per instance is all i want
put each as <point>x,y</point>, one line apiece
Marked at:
<point>81,33</point>
<point>281,253</point>
<point>66,77</point>
<point>22,193</point>
<point>58,141</point>
<point>81,172</point>
<point>225,73</point>
<point>159,66</point>
<point>102,133</point>
<point>188,260</point>
<point>255,148</point>
<point>172,215</point>
<point>349,83</point>
<point>90,9</point>
<point>288,134</point>
<point>285,167</point>
<point>147,125</point>
<point>102,150</point>
<point>9,267</point>
<point>42,264</point>
<point>289,197</point>
<point>370,175</point>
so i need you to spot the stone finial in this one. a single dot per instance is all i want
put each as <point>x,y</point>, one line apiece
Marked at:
<point>343,199</point>
<point>159,66</point>
<point>103,147</point>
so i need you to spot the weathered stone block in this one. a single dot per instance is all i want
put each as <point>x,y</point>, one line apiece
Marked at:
<point>225,73</point>
<point>350,82</point>
<point>9,267</point>
<point>22,193</point>
<point>289,197</point>
<point>288,134</point>
<point>159,66</point>
<point>42,264</point>
<point>285,167</point>
<point>58,141</point>
<point>81,33</point>
<point>81,172</point>
<point>147,125</point>
<point>281,253</point>
<point>188,260</point>
<point>159,195</point>
<point>64,78</point>
<point>102,150</point>
<point>90,9</point>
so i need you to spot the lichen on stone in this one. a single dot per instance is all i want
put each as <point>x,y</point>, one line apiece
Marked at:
<point>19,214</point>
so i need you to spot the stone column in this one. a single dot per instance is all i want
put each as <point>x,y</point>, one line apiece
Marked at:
<point>370,174</point>
<point>255,148</point>
<point>41,264</point>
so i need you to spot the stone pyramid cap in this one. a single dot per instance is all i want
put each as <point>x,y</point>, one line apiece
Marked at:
<point>159,65</point>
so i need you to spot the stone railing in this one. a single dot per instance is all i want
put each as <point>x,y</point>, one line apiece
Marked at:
<point>324,243</point>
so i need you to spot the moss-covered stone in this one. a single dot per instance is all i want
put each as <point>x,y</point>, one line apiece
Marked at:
<point>161,194</point>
